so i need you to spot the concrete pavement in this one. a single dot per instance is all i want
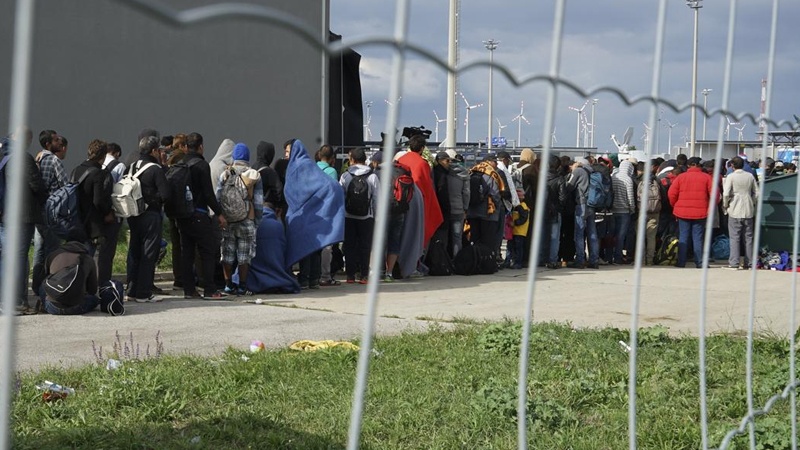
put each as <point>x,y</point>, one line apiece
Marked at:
<point>585,298</point>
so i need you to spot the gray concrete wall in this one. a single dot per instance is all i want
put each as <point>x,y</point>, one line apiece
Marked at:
<point>103,70</point>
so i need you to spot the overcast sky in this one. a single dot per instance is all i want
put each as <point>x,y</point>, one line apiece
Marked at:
<point>607,42</point>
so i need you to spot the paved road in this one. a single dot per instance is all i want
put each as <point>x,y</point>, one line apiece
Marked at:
<point>586,298</point>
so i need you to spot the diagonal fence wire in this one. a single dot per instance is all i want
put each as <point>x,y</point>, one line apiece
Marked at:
<point>402,48</point>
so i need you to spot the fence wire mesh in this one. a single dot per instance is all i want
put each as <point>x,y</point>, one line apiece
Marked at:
<point>400,48</point>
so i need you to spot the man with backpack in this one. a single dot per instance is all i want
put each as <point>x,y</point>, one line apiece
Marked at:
<point>578,183</point>
<point>554,205</point>
<point>70,286</point>
<point>107,249</point>
<point>484,212</point>
<point>146,227</point>
<point>196,227</point>
<point>241,196</point>
<point>652,210</point>
<point>361,190</point>
<point>94,196</point>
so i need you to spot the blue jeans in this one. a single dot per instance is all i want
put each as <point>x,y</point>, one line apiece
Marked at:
<point>622,223</point>
<point>696,228</point>
<point>44,243</point>
<point>456,235</point>
<point>551,238</point>
<point>22,257</point>
<point>585,229</point>
<point>90,302</point>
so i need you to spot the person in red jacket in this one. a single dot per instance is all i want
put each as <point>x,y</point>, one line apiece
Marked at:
<point>689,196</point>
<point>421,173</point>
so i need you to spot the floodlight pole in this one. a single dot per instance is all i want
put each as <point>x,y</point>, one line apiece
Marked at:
<point>705,93</point>
<point>591,142</point>
<point>695,5</point>
<point>490,45</point>
<point>452,80</point>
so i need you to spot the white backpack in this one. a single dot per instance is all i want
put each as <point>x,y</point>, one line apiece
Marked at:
<point>516,175</point>
<point>127,200</point>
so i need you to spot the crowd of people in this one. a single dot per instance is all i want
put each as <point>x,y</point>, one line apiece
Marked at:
<point>241,224</point>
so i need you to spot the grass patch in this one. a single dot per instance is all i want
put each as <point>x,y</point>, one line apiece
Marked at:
<point>440,389</point>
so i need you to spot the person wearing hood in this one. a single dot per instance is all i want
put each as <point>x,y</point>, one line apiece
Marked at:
<point>221,160</point>
<point>271,183</point>
<point>239,237</point>
<point>268,271</point>
<point>198,231</point>
<point>314,215</point>
<point>421,173</point>
<point>361,189</point>
<point>458,197</point>
<point>585,227</point>
<point>623,206</point>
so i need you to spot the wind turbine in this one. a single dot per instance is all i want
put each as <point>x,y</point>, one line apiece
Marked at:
<point>392,103</point>
<point>500,127</point>
<point>466,117</point>
<point>741,131</point>
<point>626,140</point>
<point>519,119</point>
<point>728,127</point>
<point>438,121</point>
<point>578,126</point>
<point>367,131</point>
<point>670,125</point>
<point>646,137</point>
<point>553,139</point>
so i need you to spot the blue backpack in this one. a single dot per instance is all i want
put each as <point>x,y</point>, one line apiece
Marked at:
<point>62,211</point>
<point>601,194</point>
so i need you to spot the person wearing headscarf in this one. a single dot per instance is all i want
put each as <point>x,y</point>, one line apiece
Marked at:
<point>221,160</point>
<point>272,185</point>
<point>315,214</point>
<point>268,270</point>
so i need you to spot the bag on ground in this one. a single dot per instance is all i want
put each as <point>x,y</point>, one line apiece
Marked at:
<point>357,201</point>
<point>180,204</point>
<point>667,252</point>
<point>437,259</point>
<point>234,198</point>
<point>126,198</point>
<point>721,247</point>
<point>475,258</point>
<point>62,209</point>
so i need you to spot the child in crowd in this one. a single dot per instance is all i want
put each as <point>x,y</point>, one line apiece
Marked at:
<point>520,218</point>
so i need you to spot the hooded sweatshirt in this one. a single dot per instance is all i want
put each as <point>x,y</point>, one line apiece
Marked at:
<point>458,190</point>
<point>624,193</point>
<point>578,181</point>
<point>372,181</point>
<point>220,161</point>
<point>270,181</point>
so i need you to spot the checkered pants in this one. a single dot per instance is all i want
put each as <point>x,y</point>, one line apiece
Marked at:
<point>239,242</point>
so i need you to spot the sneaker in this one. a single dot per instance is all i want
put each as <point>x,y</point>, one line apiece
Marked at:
<point>593,266</point>
<point>731,267</point>
<point>575,265</point>
<point>603,262</point>
<point>215,295</point>
<point>230,289</point>
<point>313,286</point>
<point>157,290</point>
<point>363,281</point>
<point>243,291</point>
<point>388,279</point>
<point>151,299</point>
<point>130,299</point>
<point>115,307</point>
<point>193,296</point>
<point>350,281</point>
<point>553,266</point>
<point>330,282</point>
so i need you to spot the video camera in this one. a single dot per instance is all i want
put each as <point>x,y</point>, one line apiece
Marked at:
<point>409,132</point>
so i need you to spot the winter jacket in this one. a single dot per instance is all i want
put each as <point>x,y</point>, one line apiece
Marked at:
<point>372,180</point>
<point>690,193</point>
<point>442,187</point>
<point>94,198</point>
<point>528,175</point>
<point>202,189</point>
<point>740,194</point>
<point>624,189</point>
<point>557,194</point>
<point>578,183</point>
<point>33,195</point>
<point>458,189</point>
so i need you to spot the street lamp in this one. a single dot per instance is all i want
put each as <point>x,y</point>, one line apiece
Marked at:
<point>705,93</point>
<point>695,5</point>
<point>490,45</point>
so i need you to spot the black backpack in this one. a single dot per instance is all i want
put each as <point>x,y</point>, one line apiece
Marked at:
<point>67,286</point>
<point>180,204</point>
<point>357,200</point>
<point>475,258</point>
<point>438,260</point>
<point>478,189</point>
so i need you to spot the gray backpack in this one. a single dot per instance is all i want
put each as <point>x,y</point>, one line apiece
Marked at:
<point>234,198</point>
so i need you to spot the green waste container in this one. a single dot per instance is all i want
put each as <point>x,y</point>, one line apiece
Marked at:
<point>777,222</point>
